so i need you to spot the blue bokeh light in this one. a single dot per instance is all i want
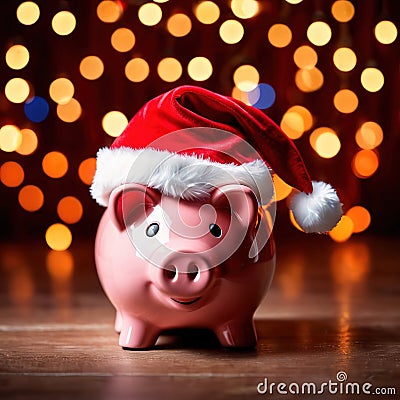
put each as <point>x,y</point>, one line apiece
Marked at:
<point>36,109</point>
<point>262,97</point>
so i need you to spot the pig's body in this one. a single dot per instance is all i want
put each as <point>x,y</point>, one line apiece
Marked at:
<point>188,290</point>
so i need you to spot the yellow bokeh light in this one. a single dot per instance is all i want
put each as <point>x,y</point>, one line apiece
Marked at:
<point>61,90</point>
<point>17,90</point>
<point>327,145</point>
<point>70,209</point>
<point>344,59</point>
<point>372,79</point>
<point>28,13</point>
<point>58,237</point>
<point>17,57</point>
<point>207,12</point>
<point>369,136</point>
<point>279,35</point>
<point>55,164</point>
<point>309,80</point>
<point>294,1</point>
<point>60,265</point>
<point>91,67</point>
<point>343,230</point>
<point>365,163</point>
<point>361,218</point>
<point>292,124</point>
<point>31,198</point>
<point>69,112</point>
<point>294,222</point>
<point>316,133</point>
<point>246,77</point>
<point>179,25</point>
<point>305,57</point>
<point>240,95</point>
<point>109,11</point>
<point>169,69</point>
<point>244,8</point>
<point>342,10</point>
<point>200,68</point>
<point>282,189</point>
<point>123,40</point>
<point>150,14</point>
<point>63,23</point>
<point>10,138</point>
<point>319,33</point>
<point>137,70</point>
<point>29,142</point>
<point>345,101</point>
<point>11,174</point>
<point>231,31</point>
<point>86,170</point>
<point>114,123</point>
<point>385,32</point>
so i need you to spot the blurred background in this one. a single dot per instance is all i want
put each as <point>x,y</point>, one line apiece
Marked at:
<point>74,72</point>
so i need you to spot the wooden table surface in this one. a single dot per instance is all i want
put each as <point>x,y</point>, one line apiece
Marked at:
<point>331,308</point>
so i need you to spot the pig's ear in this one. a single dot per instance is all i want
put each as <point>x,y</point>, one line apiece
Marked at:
<point>239,200</point>
<point>130,202</point>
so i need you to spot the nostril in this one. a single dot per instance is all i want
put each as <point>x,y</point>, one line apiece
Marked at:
<point>171,273</point>
<point>194,273</point>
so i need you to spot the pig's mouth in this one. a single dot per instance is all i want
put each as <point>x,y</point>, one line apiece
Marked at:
<point>186,302</point>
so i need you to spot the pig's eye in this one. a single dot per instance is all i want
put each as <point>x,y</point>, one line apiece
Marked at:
<point>152,229</point>
<point>215,230</point>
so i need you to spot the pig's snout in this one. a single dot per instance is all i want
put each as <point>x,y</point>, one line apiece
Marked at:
<point>184,277</point>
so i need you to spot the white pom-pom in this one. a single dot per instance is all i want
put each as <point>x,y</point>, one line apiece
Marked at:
<point>319,211</point>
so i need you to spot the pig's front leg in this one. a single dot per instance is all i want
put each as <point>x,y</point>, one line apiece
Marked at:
<point>237,333</point>
<point>137,334</point>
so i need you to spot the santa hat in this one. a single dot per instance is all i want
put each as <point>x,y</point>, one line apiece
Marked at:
<point>200,167</point>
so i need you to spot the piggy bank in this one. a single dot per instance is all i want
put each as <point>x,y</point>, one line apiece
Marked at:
<point>186,238</point>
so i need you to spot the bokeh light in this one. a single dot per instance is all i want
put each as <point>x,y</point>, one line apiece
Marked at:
<point>169,69</point>
<point>11,174</point>
<point>345,101</point>
<point>17,57</point>
<point>17,90</point>
<point>365,163</point>
<point>69,112</point>
<point>319,33</point>
<point>262,96</point>
<point>123,40</point>
<point>31,198</point>
<point>282,189</point>
<point>372,79</point>
<point>36,109</point>
<point>369,136</point>
<point>55,164</point>
<point>58,237</point>
<point>246,77</point>
<point>231,31</point>
<point>63,23</point>
<point>240,95</point>
<point>294,1</point>
<point>91,67</point>
<point>29,142</point>
<point>295,121</point>
<point>305,57</point>
<point>343,230</point>
<point>361,218</point>
<point>61,90</point>
<point>60,265</point>
<point>69,209</point>
<point>28,13</point>
<point>179,25</point>
<point>10,138</point>
<point>207,12</point>
<point>309,80</point>
<point>279,35</point>
<point>344,59</point>
<point>327,145</point>
<point>86,170</point>
<point>244,8</point>
<point>137,69</point>
<point>114,123</point>
<point>294,222</point>
<point>200,68</point>
<point>109,11</point>
<point>342,10</point>
<point>385,32</point>
<point>150,14</point>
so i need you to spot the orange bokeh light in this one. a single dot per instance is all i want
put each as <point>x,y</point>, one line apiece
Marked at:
<point>86,170</point>
<point>282,189</point>
<point>60,264</point>
<point>11,174</point>
<point>70,209</point>
<point>361,218</point>
<point>343,230</point>
<point>55,164</point>
<point>365,163</point>
<point>30,198</point>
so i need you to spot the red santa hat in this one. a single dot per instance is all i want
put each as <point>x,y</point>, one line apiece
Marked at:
<point>195,171</point>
